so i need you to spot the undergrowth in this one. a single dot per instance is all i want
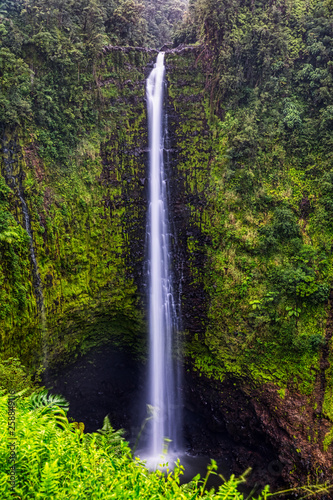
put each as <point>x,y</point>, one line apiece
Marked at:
<point>55,459</point>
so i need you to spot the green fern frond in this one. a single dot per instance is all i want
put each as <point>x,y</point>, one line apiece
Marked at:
<point>112,439</point>
<point>47,401</point>
<point>49,484</point>
<point>107,427</point>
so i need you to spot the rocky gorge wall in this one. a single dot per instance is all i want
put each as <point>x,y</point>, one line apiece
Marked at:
<point>83,284</point>
<point>81,270</point>
<point>275,403</point>
<point>87,225</point>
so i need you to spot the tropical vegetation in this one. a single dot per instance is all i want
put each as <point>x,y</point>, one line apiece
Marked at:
<point>55,459</point>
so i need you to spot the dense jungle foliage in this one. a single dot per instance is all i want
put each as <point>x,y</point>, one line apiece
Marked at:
<point>270,270</point>
<point>48,54</point>
<point>91,23</point>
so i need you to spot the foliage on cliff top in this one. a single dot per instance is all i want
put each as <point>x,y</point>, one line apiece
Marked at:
<point>162,18</point>
<point>49,52</point>
<point>48,57</point>
<point>278,47</point>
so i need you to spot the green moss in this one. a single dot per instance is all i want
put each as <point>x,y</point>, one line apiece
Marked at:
<point>267,274</point>
<point>282,393</point>
<point>81,217</point>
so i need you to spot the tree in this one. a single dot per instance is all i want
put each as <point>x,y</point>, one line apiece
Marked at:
<point>126,24</point>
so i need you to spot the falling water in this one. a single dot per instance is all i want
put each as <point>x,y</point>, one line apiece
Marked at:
<point>163,375</point>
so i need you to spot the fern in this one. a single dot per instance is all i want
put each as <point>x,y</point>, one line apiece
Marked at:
<point>52,404</point>
<point>114,439</point>
<point>49,485</point>
<point>59,464</point>
<point>107,427</point>
<point>47,401</point>
<point>229,490</point>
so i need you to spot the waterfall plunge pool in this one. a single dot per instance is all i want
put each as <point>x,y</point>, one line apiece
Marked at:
<point>110,381</point>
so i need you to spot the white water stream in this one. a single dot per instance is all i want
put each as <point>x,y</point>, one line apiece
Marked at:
<point>163,369</point>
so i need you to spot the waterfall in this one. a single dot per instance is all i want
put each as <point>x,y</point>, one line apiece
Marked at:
<point>163,322</point>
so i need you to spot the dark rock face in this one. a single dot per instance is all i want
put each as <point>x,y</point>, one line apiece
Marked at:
<point>187,164</point>
<point>104,382</point>
<point>221,421</point>
<point>279,438</point>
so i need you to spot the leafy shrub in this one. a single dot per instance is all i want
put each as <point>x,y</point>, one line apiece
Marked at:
<point>284,228</point>
<point>60,463</point>
<point>291,112</point>
<point>300,282</point>
<point>316,341</point>
<point>304,343</point>
<point>48,402</point>
<point>320,295</point>
<point>285,225</point>
<point>326,187</point>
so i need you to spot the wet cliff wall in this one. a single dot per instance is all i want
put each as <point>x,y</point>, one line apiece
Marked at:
<point>73,243</point>
<point>73,260</point>
<point>86,220</point>
<point>256,282</point>
<point>191,151</point>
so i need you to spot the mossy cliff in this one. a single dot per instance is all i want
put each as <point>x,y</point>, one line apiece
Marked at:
<point>269,263</point>
<point>190,153</point>
<point>251,265</point>
<point>86,219</point>
<point>253,246</point>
